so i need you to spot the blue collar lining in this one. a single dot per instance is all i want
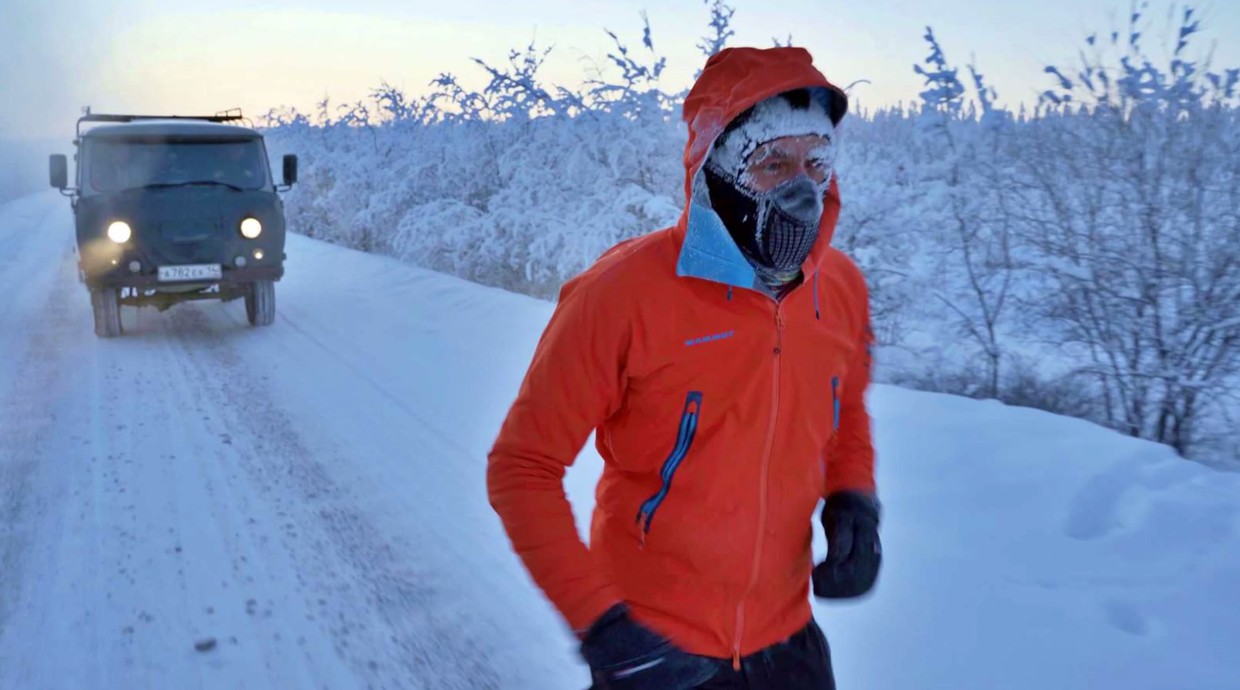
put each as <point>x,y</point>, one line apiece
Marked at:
<point>710,253</point>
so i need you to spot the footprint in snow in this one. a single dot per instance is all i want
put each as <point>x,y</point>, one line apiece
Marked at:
<point>1095,510</point>
<point>1126,617</point>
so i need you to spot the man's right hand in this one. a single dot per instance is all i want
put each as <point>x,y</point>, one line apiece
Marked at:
<point>624,655</point>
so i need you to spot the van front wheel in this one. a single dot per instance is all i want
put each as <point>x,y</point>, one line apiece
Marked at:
<point>106,305</point>
<point>260,303</point>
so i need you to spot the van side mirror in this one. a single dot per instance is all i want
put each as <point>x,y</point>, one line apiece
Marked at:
<point>290,169</point>
<point>58,171</point>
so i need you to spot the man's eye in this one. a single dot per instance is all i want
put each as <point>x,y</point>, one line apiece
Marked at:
<point>773,167</point>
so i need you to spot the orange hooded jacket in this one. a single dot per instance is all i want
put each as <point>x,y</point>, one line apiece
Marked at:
<point>722,416</point>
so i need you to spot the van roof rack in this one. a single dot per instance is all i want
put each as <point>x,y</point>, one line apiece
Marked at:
<point>231,115</point>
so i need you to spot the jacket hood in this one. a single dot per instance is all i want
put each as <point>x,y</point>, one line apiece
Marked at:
<point>734,80</point>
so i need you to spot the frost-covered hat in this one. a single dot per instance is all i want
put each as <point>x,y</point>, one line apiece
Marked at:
<point>794,113</point>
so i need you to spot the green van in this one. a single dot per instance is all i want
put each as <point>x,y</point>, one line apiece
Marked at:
<point>175,208</point>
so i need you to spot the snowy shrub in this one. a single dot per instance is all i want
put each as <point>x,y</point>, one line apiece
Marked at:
<point>519,186</point>
<point>1132,201</point>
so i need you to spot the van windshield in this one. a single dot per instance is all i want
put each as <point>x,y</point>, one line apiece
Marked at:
<point>116,164</point>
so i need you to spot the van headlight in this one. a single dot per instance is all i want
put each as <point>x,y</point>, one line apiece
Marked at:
<point>120,232</point>
<point>251,228</point>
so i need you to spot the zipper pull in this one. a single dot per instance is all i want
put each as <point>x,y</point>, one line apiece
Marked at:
<point>736,660</point>
<point>779,331</point>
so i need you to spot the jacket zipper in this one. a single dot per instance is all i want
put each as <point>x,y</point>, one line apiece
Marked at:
<point>835,404</point>
<point>762,488</point>
<point>684,441</point>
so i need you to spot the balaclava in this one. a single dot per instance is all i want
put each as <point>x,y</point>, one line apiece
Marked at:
<point>775,230</point>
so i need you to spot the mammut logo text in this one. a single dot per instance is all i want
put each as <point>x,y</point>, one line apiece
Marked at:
<point>709,339</point>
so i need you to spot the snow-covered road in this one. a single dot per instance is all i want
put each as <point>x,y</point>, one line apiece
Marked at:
<point>199,504</point>
<point>301,494</point>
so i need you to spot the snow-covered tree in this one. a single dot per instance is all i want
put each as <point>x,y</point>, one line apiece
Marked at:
<point>1133,202</point>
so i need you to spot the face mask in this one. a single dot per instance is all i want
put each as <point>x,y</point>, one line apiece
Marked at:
<point>787,227</point>
<point>777,229</point>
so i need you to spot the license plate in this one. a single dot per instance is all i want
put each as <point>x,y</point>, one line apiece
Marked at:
<point>168,274</point>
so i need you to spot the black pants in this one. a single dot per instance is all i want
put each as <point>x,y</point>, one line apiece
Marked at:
<point>802,662</point>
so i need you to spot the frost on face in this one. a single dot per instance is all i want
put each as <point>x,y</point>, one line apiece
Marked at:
<point>772,119</point>
<point>780,161</point>
<point>824,156</point>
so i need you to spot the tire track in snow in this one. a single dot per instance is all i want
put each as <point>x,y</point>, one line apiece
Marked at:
<point>236,589</point>
<point>383,610</point>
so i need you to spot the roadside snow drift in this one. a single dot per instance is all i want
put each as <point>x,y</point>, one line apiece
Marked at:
<point>200,504</point>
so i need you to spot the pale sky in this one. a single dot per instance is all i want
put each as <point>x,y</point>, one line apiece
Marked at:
<point>173,56</point>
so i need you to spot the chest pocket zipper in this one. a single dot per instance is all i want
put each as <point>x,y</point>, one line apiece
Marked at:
<point>835,404</point>
<point>684,441</point>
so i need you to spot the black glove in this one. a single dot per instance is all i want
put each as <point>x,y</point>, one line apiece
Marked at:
<point>623,655</point>
<point>854,552</point>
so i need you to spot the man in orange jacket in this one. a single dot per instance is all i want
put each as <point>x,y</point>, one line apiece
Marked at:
<point>722,364</point>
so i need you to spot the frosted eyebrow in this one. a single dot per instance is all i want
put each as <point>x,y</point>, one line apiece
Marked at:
<point>774,151</point>
<point>763,155</point>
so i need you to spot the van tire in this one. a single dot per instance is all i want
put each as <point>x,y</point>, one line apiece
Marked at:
<point>106,305</point>
<point>260,303</point>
